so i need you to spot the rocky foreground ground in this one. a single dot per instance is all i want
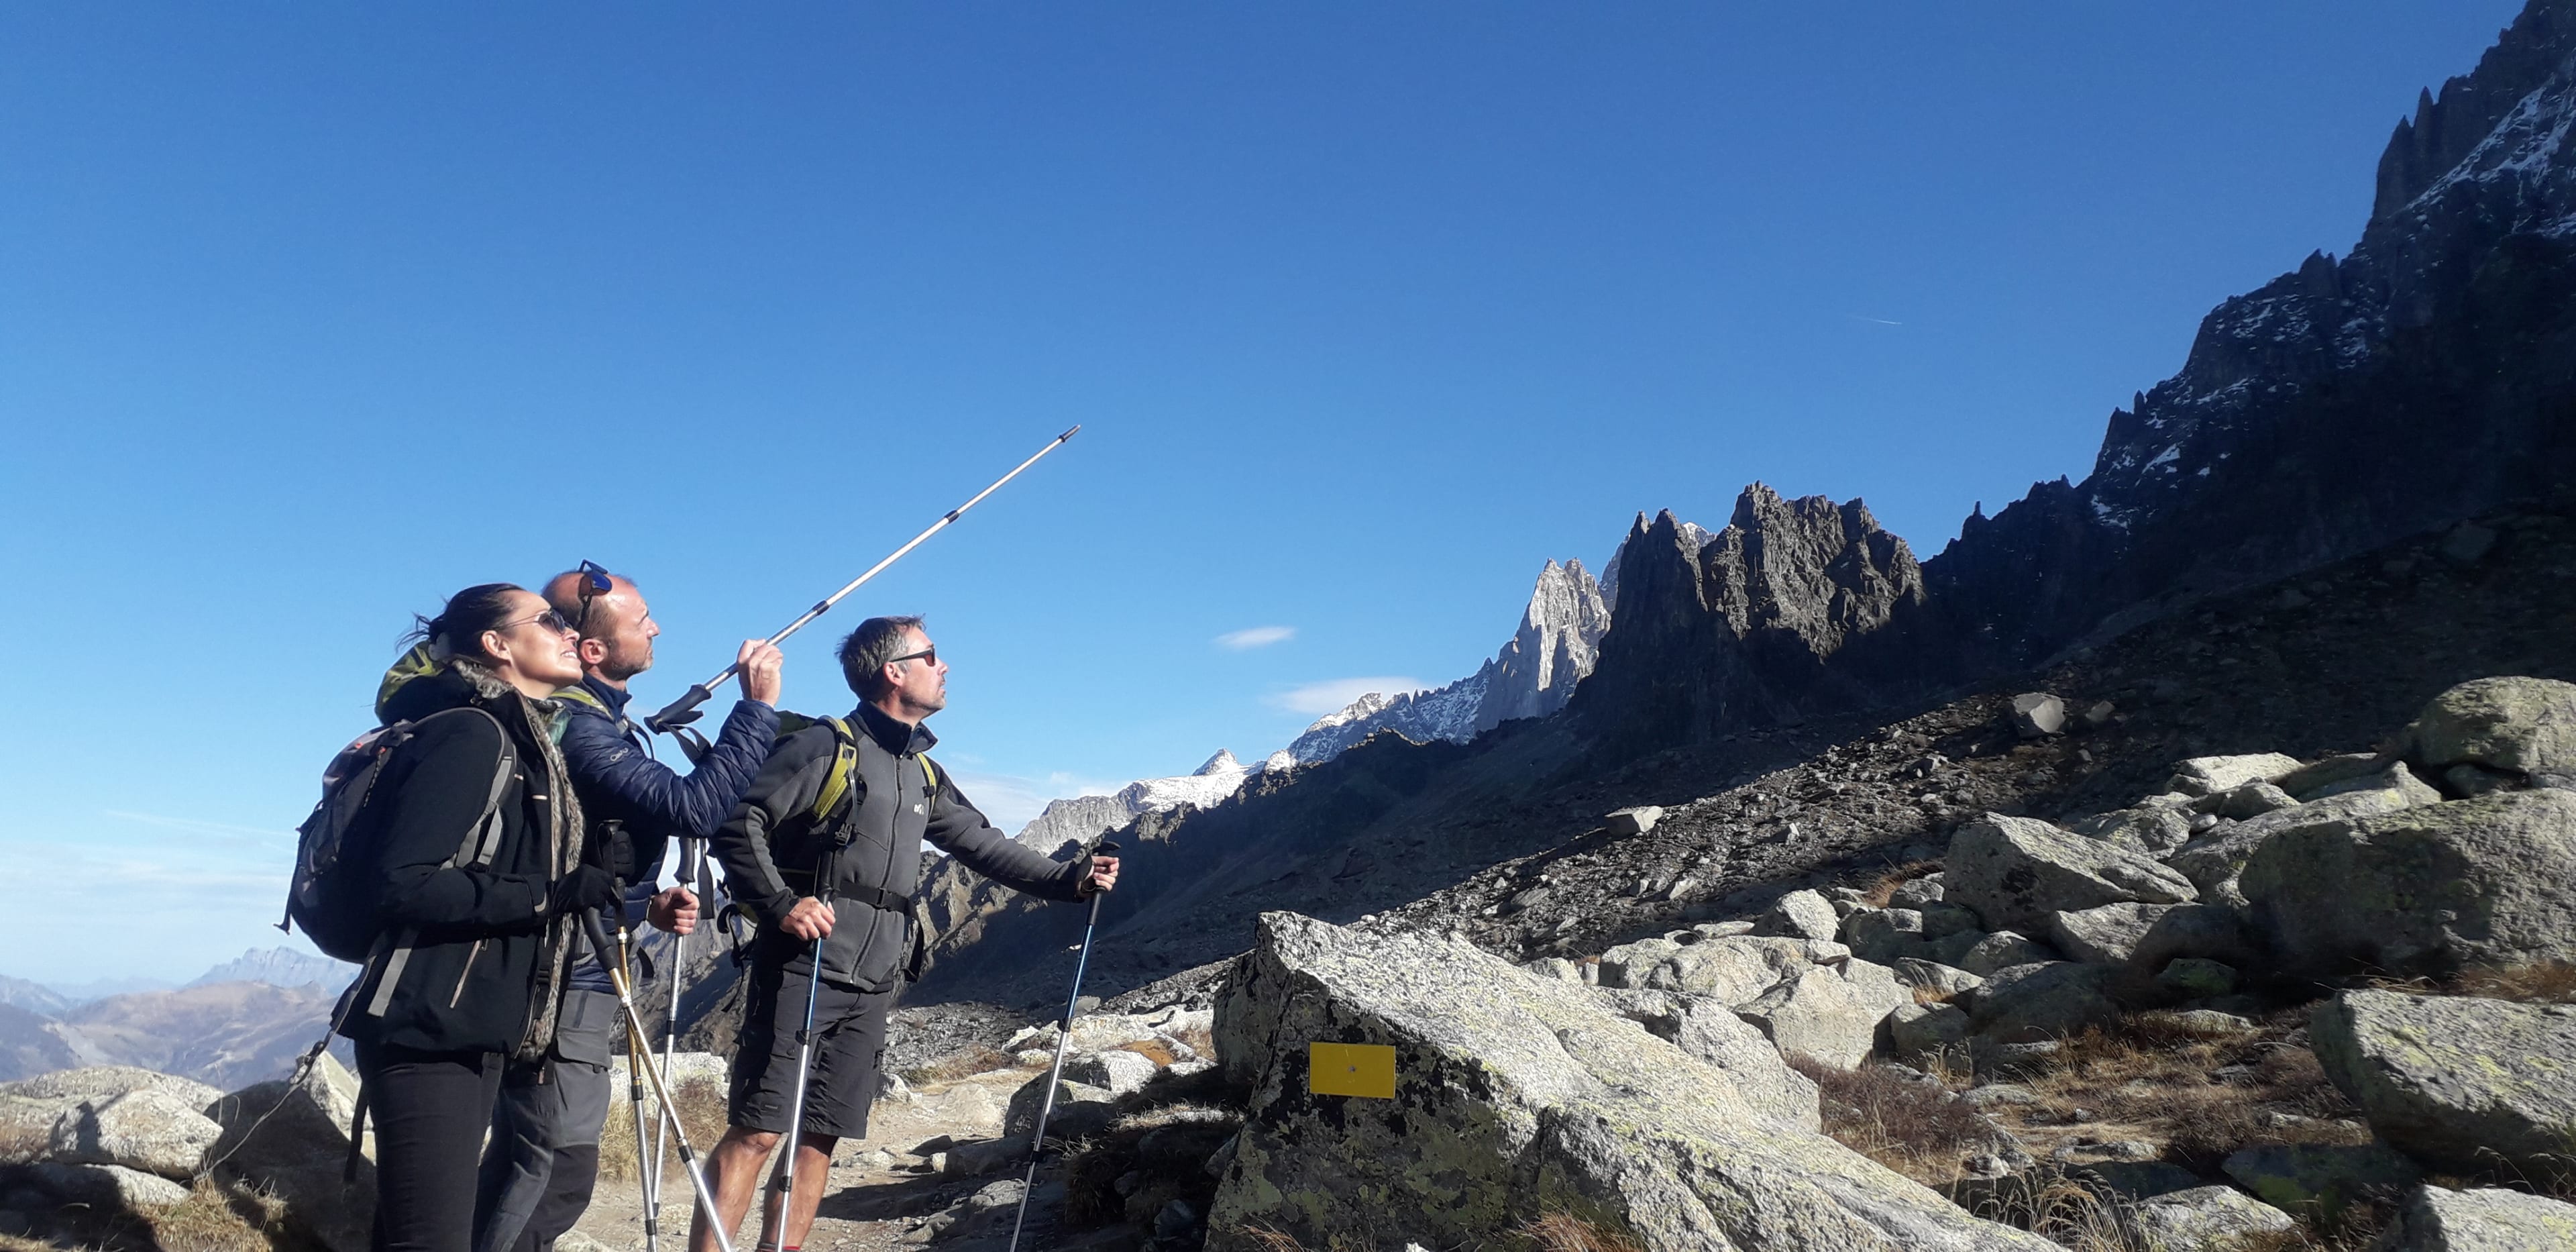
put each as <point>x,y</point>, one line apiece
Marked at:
<point>2274,1002</point>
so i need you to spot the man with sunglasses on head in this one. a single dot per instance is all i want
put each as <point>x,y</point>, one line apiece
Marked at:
<point>829,868</point>
<point>543,1156</point>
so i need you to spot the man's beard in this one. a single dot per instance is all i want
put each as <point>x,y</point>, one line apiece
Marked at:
<point>619,667</point>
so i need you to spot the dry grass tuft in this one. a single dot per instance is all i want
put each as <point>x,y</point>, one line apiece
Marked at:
<point>1912,1127</point>
<point>215,1218</point>
<point>2551,982</point>
<point>1932,995</point>
<point>2059,1209</point>
<point>702,1111</point>
<point>1564,1232</point>
<point>20,1145</point>
<point>1271,1238</point>
<point>981,1058</point>
<point>1878,893</point>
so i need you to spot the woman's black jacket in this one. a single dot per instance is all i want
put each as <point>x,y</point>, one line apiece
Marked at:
<point>486,967</point>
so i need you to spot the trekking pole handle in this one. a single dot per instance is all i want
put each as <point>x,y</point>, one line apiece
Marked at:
<point>680,711</point>
<point>599,945</point>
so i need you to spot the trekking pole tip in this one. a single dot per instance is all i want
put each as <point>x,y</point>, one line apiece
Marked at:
<point>1075,430</point>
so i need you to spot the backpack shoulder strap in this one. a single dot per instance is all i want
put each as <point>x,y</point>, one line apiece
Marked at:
<point>845,768</point>
<point>481,843</point>
<point>930,771</point>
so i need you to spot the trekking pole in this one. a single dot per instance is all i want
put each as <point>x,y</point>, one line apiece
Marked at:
<point>782,1187</point>
<point>1063,1036</point>
<point>693,865</point>
<point>683,711</point>
<point>661,1087</point>
<point>637,1056</point>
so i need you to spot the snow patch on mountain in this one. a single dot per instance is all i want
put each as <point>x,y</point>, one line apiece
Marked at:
<point>1081,818</point>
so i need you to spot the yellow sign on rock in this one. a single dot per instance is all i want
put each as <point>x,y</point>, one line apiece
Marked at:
<point>1351,1069</point>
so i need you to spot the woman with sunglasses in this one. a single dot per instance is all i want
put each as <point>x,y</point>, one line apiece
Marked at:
<point>486,907</point>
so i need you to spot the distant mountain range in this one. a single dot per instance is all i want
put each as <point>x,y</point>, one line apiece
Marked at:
<point>241,1021</point>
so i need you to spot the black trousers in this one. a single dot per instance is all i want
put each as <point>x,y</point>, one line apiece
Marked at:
<point>430,1110</point>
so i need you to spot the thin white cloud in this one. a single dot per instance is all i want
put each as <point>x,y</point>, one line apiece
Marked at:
<point>1875,321</point>
<point>1256,637</point>
<point>1331,695</point>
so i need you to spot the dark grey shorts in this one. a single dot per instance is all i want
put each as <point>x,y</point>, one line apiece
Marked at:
<point>849,1047</point>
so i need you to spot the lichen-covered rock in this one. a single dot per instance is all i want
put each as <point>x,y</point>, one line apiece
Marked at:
<point>1114,1070</point>
<point>2209,775</point>
<point>1080,1109</point>
<point>2251,800</point>
<point>1735,969</point>
<point>2437,1219</point>
<point>1935,977</point>
<point>107,1187</point>
<point>2456,1081</point>
<point>1916,893</point>
<point>2205,1219</point>
<point>2527,725</point>
<point>2015,871</point>
<point>2108,935</point>
<point>2032,1003</point>
<point>2212,861</point>
<point>2321,1177</point>
<point>1711,1031</point>
<point>1885,935</point>
<point>1516,1097</point>
<point>148,1128</point>
<point>2148,830</point>
<point>2195,978</point>
<point>1917,1029</point>
<point>2395,779</point>
<point>2307,781</point>
<point>292,1139</point>
<point>2423,890</point>
<point>2145,937</point>
<point>1830,1013</point>
<point>1802,915</point>
<point>2003,950</point>
<point>106,1082</point>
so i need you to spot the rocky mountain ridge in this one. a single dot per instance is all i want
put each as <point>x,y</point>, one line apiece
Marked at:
<point>1802,614</point>
<point>1533,675</point>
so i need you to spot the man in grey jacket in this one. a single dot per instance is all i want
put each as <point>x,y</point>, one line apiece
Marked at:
<point>826,850</point>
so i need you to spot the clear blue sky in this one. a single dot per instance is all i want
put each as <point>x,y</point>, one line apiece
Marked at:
<point>311,316</point>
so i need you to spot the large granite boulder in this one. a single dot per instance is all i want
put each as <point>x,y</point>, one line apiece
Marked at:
<point>2423,890</point>
<point>106,1188</point>
<point>2213,861</point>
<point>148,1128</point>
<point>1517,1097</point>
<point>2144,937</point>
<point>106,1082</point>
<point>2209,775</point>
<point>2032,1003</point>
<point>2456,1081</point>
<point>1802,915</point>
<point>291,1137</point>
<point>1080,1110</point>
<point>1711,1032</point>
<point>2148,830</point>
<point>1735,969</point>
<point>2205,1219</point>
<point>1830,1013</point>
<point>2438,1219</point>
<point>2526,725</point>
<point>2015,871</point>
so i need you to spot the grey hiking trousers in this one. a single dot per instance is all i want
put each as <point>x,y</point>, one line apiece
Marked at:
<point>543,1156</point>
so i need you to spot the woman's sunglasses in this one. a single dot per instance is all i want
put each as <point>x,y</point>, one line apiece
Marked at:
<point>549,619</point>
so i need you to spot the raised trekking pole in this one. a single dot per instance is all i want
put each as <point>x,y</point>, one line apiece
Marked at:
<point>683,711</point>
<point>638,1055</point>
<point>782,1186</point>
<point>693,871</point>
<point>1063,1036</point>
<point>661,1087</point>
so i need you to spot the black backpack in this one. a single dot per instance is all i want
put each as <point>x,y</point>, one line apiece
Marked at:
<point>328,896</point>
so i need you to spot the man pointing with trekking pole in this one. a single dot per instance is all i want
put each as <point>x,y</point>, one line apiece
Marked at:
<point>826,851</point>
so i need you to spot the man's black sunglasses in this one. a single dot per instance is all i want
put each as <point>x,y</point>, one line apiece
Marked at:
<point>594,583</point>
<point>926,654</point>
